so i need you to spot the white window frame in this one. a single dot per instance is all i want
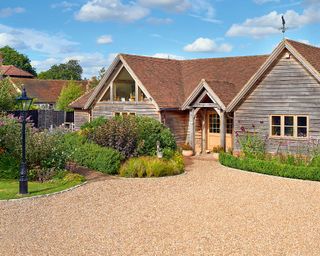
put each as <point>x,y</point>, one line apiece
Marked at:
<point>282,127</point>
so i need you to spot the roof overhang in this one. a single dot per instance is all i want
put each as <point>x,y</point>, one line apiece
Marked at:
<point>198,94</point>
<point>274,55</point>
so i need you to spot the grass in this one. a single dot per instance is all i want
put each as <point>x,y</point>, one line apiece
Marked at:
<point>9,189</point>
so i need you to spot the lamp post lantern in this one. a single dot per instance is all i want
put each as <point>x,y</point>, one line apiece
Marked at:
<point>24,103</point>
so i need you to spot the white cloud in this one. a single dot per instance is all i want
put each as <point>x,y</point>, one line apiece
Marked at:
<point>105,39</point>
<point>64,5</point>
<point>23,38</point>
<point>170,5</point>
<point>305,41</point>
<point>264,1</point>
<point>90,62</point>
<point>207,45</point>
<point>53,49</point>
<point>129,11</point>
<point>159,21</point>
<point>6,12</point>
<point>270,24</point>
<point>101,10</point>
<point>168,56</point>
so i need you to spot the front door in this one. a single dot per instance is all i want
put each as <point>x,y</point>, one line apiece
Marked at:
<point>213,131</point>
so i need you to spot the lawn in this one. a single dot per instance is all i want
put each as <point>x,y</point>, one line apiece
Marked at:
<point>9,188</point>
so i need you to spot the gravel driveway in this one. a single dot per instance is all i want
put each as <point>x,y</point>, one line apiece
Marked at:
<point>212,210</point>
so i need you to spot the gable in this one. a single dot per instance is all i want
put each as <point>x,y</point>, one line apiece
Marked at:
<point>287,88</point>
<point>284,47</point>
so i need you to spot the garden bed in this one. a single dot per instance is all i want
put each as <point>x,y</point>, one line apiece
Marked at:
<point>271,167</point>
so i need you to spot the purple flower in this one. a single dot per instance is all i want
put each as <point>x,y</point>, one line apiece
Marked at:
<point>243,129</point>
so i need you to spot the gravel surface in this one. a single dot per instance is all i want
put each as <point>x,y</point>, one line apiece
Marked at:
<point>211,210</point>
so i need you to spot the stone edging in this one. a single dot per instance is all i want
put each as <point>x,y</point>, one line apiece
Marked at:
<point>44,195</point>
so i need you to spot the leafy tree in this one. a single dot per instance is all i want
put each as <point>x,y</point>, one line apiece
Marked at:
<point>66,71</point>
<point>94,81</point>
<point>7,95</point>
<point>68,94</point>
<point>11,57</point>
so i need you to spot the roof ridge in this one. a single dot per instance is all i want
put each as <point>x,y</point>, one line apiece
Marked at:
<point>305,44</point>
<point>195,59</point>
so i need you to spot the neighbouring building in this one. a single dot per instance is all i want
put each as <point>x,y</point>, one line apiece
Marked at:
<point>44,92</point>
<point>206,102</point>
<point>12,71</point>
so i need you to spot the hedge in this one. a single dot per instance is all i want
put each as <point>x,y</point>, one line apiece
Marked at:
<point>270,167</point>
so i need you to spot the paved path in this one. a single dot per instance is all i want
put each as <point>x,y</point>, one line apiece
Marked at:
<point>212,210</point>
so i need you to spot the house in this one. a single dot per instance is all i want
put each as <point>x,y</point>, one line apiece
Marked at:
<point>206,102</point>
<point>44,92</point>
<point>12,71</point>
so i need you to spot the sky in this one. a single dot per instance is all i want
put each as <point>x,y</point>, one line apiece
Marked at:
<point>95,31</point>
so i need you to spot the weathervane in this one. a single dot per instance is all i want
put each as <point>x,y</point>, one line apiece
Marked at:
<point>283,28</point>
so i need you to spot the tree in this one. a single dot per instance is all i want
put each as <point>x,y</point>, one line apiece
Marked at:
<point>94,81</point>
<point>70,70</point>
<point>11,57</point>
<point>68,94</point>
<point>7,95</point>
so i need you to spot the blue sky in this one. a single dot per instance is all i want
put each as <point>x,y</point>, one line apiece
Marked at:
<point>94,31</point>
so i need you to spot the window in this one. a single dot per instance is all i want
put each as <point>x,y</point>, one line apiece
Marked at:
<point>124,114</point>
<point>229,125</point>
<point>124,88</point>
<point>141,95</point>
<point>123,91</point>
<point>302,126</point>
<point>214,123</point>
<point>106,96</point>
<point>289,126</point>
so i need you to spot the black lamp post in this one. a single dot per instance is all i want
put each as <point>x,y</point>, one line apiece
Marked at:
<point>24,103</point>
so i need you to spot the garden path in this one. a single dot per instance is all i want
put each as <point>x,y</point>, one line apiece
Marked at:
<point>210,210</point>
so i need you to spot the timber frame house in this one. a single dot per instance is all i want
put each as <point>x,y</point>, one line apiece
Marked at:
<point>206,102</point>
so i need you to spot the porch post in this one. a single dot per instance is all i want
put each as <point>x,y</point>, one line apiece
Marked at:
<point>223,129</point>
<point>192,128</point>
<point>204,135</point>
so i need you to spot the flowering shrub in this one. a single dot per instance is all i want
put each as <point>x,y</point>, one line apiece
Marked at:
<point>119,133</point>
<point>133,136</point>
<point>44,154</point>
<point>251,143</point>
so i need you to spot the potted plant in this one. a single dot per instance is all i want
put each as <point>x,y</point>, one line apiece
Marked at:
<point>216,150</point>
<point>187,150</point>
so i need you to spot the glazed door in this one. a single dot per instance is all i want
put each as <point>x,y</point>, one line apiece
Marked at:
<point>213,131</point>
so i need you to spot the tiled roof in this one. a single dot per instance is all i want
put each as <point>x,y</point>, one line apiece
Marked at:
<point>12,71</point>
<point>170,82</point>
<point>44,91</point>
<point>81,101</point>
<point>309,52</point>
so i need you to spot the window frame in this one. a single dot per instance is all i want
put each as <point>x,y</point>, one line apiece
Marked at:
<point>124,113</point>
<point>295,126</point>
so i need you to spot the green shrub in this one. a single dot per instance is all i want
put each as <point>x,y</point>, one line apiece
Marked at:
<point>119,133</point>
<point>98,158</point>
<point>73,177</point>
<point>9,166</point>
<point>271,167</point>
<point>150,131</point>
<point>94,123</point>
<point>148,166</point>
